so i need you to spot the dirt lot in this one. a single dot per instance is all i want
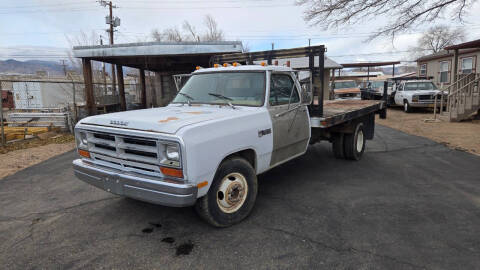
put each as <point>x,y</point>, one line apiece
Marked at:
<point>458,135</point>
<point>20,155</point>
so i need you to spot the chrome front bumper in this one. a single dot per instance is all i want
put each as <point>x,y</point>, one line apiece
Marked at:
<point>426,104</point>
<point>156,190</point>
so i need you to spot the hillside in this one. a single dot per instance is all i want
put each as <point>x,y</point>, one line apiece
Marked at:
<point>30,66</point>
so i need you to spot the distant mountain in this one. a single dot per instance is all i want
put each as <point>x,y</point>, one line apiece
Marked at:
<point>31,67</point>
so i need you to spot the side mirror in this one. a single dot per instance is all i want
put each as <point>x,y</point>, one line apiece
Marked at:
<point>307,95</point>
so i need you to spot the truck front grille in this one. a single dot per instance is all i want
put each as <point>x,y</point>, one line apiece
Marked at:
<point>429,97</point>
<point>131,153</point>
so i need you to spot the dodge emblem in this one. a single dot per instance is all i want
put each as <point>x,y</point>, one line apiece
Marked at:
<point>118,123</point>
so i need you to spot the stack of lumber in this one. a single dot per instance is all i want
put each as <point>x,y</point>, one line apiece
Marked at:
<point>15,133</point>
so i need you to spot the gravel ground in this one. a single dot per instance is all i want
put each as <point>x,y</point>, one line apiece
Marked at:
<point>462,136</point>
<point>21,155</point>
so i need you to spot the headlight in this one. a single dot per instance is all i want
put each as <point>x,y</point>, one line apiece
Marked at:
<point>81,139</point>
<point>172,152</point>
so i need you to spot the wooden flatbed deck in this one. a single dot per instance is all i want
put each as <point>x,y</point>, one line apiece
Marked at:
<point>339,111</point>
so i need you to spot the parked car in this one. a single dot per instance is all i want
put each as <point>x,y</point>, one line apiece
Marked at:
<point>345,89</point>
<point>373,90</point>
<point>417,94</point>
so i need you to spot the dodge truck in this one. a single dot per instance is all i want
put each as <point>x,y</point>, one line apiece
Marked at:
<point>418,94</point>
<point>226,126</point>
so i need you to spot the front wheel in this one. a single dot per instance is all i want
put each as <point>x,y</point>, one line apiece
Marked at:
<point>406,107</point>
<point>231,196</point>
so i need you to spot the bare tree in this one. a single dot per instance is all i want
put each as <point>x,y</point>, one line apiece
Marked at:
<point>173,34</point>
<point>156,35</point>
<point>213,32</point>
<point>82,39</point>
<point>192,33</point>
<point>403,14</point>
<point>439,37</point>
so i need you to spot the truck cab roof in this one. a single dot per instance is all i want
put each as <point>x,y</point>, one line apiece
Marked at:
<point>244,68</point>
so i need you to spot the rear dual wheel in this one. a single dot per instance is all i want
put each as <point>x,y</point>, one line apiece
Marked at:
<point>350,145</point>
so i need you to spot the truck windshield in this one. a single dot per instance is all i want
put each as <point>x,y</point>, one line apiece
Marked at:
<point>412,86</point>
<point>342,85</point>
<point>237,88</point>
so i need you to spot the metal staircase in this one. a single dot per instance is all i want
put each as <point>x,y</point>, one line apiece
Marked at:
<point>464,97</point>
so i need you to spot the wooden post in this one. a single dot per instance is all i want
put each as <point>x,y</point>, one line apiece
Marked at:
<point>143,89</point>
<point>321,71</point>
<point>88,78</point>
<point>121,88</point>
<point>1,114</point>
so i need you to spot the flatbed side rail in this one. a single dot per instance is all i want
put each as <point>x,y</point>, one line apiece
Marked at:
<point>331,119</point>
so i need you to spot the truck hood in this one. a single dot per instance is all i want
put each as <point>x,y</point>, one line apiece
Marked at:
<point>165,119</point>
<point>354,90</point>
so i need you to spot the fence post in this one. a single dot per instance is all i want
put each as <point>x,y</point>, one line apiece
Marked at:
<point>1,115</point>
<point>74,103</point>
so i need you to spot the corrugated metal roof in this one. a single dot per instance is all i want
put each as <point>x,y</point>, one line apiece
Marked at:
<point>157,49</point>
<point>444,53</point>
<point>370,64</point>
<point>302,62</point>
<point>466,45</point>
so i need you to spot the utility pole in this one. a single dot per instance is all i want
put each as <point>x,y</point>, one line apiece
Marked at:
<point>64,67</point>
<point>273,46</point>
<point>309,42</point>
<point>113,22</point>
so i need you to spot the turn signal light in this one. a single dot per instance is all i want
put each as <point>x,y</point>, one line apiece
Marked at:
<point>202,184</point>
<point>84,153</point>
<point>171,172</point>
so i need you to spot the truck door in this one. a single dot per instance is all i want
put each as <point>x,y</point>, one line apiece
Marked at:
<point>399,95</point>
<point>290,120</point>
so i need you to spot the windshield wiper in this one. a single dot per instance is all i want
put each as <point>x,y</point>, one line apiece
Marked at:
<point>189,98</point>
<point>224,98</point>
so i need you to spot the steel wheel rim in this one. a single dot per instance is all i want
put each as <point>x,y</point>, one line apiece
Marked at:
<point>405,107</point>
<point>232,192</point>
<point>359,141</point>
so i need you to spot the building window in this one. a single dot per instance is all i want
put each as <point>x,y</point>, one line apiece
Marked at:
<point>423,70</point>
<point>467,65</point>
<point>444,70</point>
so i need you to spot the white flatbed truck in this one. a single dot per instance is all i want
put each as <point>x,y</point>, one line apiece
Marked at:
<point>225,126</point>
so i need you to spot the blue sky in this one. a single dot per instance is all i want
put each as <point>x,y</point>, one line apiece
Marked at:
<point>39,29</point>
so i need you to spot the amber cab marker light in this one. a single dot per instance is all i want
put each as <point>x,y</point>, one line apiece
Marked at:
<point>225,65</point>
<point>84,153</point>
<point>202,184</point>
<point>235,64</point>
<point>198,67</point>
<point>262,64</point>
<point>171,172</point>
<point>215,65</point>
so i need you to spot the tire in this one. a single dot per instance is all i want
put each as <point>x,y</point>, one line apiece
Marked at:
<point>354,143</point>
<point>406,107</point>
<point>233,176</point>
<point>337,145</point>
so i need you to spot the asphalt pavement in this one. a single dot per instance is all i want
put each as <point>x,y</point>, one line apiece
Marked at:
<point>410,203</point>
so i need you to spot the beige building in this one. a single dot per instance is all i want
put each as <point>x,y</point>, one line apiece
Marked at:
<point>441,65</point>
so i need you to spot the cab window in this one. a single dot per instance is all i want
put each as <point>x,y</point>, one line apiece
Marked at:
<point>281,87</point>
